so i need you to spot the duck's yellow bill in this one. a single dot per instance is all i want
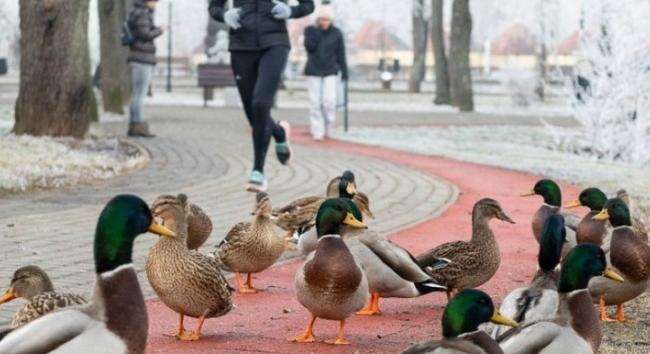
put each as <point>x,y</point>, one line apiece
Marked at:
<point>354,222</point>
<point>498,318</point>
<point>611,274</point>
<point>351,188</point>
<point>528,194</point>
<point>8,296</point>
<point>158,229</point>
<point>574,204</point>
<point>603,215</point>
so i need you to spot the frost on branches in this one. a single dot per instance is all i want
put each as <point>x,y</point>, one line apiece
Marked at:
<point>611,86</point>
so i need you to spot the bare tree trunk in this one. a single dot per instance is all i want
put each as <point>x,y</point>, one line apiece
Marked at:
<point>114,69</point>
<point>55,96</point>
<point>540,90</point>
<point>459,47</point>
<point>420,30</point>
<point>438,39</point>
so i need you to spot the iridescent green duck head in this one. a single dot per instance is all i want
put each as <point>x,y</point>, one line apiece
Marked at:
<point>592,198</point>
<point>334,213</point>
<point>617,212</point>
<point>469,309</point>
<point>347,185</point>
<point>549,190</point>
<point>551,242</point>
<point>123,219</point>
<point>581,264</point>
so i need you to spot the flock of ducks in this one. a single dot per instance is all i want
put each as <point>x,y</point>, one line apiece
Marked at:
<point>602,258</point>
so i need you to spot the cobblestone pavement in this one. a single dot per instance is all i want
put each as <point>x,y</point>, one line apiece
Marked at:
<point>206,154</point>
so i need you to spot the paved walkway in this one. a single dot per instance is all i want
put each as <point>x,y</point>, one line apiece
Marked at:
<point>262,322</point>
<point>204,153</point>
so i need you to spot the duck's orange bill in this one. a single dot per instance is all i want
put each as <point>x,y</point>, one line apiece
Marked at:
<point>574,204</point>
<point>528,193</point>
<point>8,296</point>
<point>603,215</point>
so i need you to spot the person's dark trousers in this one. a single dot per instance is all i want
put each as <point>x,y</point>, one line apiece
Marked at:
<point>258,75</point>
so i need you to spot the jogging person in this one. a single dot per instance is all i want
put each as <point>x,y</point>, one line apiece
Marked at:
<point>259,46</point>
<point>326,58</point>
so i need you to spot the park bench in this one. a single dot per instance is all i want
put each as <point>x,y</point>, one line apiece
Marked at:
<point>213,76</point>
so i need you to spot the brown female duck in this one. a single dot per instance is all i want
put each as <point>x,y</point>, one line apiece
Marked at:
<point>188,282</point>
<point>251,247</point>
<point>473,262</point>
<point>32,284</point>
<point>199,225</point>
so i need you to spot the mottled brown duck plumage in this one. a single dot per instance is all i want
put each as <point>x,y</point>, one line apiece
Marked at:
<point>199,225</point>
<point>188,282</point>
<point>473,262</point>
<point>34,285</point>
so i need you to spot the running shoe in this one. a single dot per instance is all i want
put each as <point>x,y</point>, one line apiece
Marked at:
<point>283,149</point>
<point>257,182</point>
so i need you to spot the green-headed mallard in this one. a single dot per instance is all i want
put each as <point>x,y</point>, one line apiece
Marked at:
<point>539,300</point>
<point>473,262</point>
<point>590,230</point>
<point>637,214</point>
<point>300,214</point>
<point>251,247</point>
<point>32,284</point>
<point>188,282</point>
<point>460,321</point>
<point>115,320</point>
<point>550,191</point>
<point>628,255</point>
<point>199,225</point>
<point>331,284</point>
<point>574,326</point>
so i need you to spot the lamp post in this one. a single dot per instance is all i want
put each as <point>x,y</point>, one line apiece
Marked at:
<point>169,50</point>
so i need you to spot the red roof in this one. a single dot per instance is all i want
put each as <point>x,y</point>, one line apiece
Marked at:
<point>568,45</point>
<point>515,40</point>
<point>374,36</point>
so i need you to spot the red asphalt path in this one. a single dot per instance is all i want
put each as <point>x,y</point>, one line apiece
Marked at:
<point>261,323</point>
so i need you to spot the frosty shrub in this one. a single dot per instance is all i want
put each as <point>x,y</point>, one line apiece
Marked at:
<point>610,91</point>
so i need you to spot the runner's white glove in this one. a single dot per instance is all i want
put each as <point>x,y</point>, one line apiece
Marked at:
<point>281,11</point>
<point>231,18</point>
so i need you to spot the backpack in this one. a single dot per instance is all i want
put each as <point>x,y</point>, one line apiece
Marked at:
<point>127,36</point>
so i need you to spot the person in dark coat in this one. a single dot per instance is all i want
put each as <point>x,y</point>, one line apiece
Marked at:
<point>142,59</point>
<point>326,58</point>
<point>259,46</point>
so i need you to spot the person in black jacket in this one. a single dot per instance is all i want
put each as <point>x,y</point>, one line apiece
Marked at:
<point>259,46</point>
<point>326,58</point>
<point>142,58</point>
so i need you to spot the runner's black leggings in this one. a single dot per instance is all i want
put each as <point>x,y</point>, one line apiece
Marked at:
<point>258,75</point>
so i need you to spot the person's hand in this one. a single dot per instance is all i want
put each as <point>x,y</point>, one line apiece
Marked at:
<point>281,11</point>
<point>231,18</point>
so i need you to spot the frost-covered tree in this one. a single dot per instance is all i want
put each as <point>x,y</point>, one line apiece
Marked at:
<point>420,39</point>
<point>611,97</point>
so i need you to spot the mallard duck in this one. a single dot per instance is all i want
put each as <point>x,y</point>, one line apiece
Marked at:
<point>32,284</point>
<point>188,282</point>
<point>473,262</point>
<point>590,230</point>
<point>300,214</point>
<point>331,284</point>
<point>628,255</point>
<point>539,300</point>
<point>552,195</point>
<point>251,247</point>
<point>101,324</point>
<point>460,321</point>
<point>574,326</point>
<point>638,223</point>
<point>199,225</point>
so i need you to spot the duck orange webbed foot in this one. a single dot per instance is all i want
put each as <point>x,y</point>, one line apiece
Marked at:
<point>337,341</point>
<point>373,306</point>
<point>308,335</point>
<point>189,336</point>
<point>179,332</point>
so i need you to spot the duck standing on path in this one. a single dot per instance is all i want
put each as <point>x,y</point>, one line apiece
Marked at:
<point>539,300</point>
<point>34,285</point>
<point>552,195</point>
<point>115,321</point>
<point>199,225</point>
<point>628,255</point>
<point>473,262</point>
<point>460,320</point>
<point>574,326</point>
<point>331,284</point>
<point>251,247</point>
<point>590,230</point>
<point>639,215</point>
<point>188,282</point>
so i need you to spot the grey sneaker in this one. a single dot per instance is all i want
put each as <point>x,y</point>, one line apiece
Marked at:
<point>283,150</point>
<point>257,182</point>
